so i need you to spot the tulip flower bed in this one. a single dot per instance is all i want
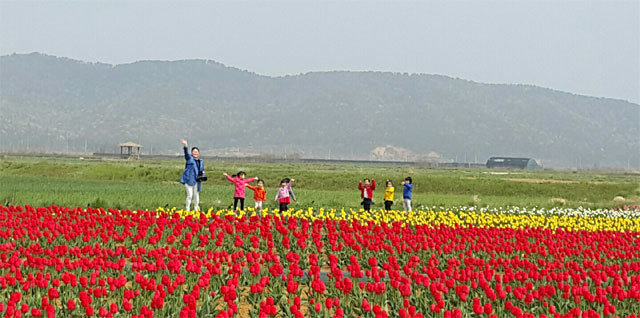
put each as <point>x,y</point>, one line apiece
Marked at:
<point>73,262</point>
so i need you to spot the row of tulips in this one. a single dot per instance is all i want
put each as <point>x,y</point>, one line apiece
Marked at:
<point>459,216</point>
<point>119,263</point>
<point>627,211</point>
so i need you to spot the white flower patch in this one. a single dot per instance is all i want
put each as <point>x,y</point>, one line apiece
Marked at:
<point>632,212</point>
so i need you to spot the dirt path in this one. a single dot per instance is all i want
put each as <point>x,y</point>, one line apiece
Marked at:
<point>541,180</point>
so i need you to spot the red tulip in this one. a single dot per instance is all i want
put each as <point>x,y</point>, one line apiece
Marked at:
<point>365,305</point>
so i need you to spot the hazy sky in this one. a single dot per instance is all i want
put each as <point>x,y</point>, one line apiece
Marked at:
<point>586,47</point>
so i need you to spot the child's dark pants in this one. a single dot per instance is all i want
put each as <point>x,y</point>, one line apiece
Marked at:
<point>235,203</point>
<point>366,203</point>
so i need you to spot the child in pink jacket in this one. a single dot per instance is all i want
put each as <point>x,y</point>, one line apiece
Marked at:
<point>284,194</point>
<point>240,183</point>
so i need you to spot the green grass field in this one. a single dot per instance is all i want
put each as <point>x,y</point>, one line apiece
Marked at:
<point>150,184</point>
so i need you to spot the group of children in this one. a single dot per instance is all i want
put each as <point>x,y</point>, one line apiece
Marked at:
<point>285,192</point>
<point>367,186</point>
<point>193,176</point>
<point>284,196</point>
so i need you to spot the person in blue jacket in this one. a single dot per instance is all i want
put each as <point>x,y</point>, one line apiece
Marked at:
<point>406,193</point>
<point>193,176</point>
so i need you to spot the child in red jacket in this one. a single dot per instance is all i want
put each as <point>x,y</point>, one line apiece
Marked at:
<point>366,192</point>
<point>259,194</point>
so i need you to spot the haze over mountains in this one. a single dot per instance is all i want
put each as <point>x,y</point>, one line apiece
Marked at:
<point>52,104</point>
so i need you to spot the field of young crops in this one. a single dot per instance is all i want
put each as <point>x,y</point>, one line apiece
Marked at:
<point>146,184</point>
<point>455,262</point>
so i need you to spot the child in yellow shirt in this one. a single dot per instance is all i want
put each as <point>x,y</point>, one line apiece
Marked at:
<point>388,195</point>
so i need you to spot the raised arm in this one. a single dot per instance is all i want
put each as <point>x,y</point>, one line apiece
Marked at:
<point>187,155</point>
<point>228,178</point>
<point>373,184</point>
<point>252,187</point>
<point>360,186</point>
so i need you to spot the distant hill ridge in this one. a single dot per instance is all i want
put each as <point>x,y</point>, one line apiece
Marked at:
<point>57,104</point>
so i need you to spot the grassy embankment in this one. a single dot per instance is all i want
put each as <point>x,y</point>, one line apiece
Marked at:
<point>152,184</point>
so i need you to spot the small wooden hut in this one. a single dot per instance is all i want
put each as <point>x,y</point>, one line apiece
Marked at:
<point>130,149</point>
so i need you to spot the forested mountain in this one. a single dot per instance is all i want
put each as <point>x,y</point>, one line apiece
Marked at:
<point>57,104</point>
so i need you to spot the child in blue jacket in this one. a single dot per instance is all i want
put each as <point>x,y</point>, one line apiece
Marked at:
<point>406,193</point>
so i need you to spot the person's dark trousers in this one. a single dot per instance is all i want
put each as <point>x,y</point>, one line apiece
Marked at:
<point>284,206</point>
<point>387,205</point>
<point>235,203</point>
<point>366,203</point>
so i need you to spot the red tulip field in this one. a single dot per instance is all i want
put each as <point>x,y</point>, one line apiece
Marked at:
<point>73,262</point>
